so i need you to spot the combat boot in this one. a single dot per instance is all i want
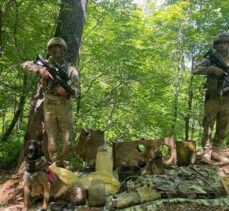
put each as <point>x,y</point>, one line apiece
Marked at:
<point>96,194</point>
<point>224,152</point>
<point>206,158</point>
<point>216,155</point>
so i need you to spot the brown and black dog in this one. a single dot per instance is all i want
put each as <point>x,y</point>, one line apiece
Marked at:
<point>38,174</point>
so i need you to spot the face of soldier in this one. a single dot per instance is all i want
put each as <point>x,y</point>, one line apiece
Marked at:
<point>222,47</point>
<point>57,51</point>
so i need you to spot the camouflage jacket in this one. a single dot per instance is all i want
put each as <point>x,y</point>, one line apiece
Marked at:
<point>30,66</point>
<point>202,68</point>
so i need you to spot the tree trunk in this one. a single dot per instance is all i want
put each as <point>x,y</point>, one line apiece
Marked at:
<point>180,60</point>
<point>17,113</point>
<point>187,118</point>
<point>177,92</point>
<point>1,17</point>
<point>70,27</point>
<point>190,98</point>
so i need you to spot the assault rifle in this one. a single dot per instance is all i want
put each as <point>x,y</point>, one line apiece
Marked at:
<point>59,75</point>
<point>223,85</point>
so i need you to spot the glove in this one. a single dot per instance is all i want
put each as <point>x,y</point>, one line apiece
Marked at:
<point>61,91</point>
<point>44,73</point>
<point>215,70</point>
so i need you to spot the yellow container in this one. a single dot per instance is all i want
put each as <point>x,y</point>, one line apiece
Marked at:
<point>104,159</point>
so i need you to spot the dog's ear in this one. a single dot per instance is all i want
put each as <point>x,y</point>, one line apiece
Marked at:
<point>40,144</point>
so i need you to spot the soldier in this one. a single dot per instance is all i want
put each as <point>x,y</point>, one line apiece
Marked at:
<point>216,109</point>
<point>57,101</point>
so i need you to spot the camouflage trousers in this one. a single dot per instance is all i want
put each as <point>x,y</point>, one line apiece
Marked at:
<point>58,125</point>
<point>216,112</point>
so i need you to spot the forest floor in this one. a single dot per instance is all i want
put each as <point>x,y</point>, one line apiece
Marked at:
<point>11,195</point>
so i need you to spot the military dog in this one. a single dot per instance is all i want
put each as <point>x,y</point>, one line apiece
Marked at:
<point>38,174</point>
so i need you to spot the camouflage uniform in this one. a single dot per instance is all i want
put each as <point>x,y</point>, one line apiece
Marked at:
<point>216,108</point>
<point>57,109</point>
<point>200,185</point>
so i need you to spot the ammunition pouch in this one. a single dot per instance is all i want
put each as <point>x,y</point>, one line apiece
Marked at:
<point>223,87</point>
<point>51,86</point>
<point>212,85</point>
<point>216,86</point>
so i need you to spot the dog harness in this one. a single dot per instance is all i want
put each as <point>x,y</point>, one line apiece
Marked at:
<point>35,166</point>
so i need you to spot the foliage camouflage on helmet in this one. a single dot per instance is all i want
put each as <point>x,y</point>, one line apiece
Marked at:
<point>221,37</point>
<point>57,41</point>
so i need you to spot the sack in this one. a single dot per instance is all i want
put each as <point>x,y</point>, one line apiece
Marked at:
<point>77,195</point>
<point>186,152</point>
<point>96,194</point>
<point>112,185</point>
<point>67,176</point>
<point>104,159</point>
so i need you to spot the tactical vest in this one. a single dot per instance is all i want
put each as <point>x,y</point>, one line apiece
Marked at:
<point>217,86</point>
<point>49,85</point>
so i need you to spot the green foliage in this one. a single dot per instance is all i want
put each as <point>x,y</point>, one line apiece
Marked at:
<point>10,151</point>
<point>26,27</point>
<point>130,62</point>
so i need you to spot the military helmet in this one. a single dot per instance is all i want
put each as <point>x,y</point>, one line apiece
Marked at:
<point>221,37</point>
<point>57,41</point>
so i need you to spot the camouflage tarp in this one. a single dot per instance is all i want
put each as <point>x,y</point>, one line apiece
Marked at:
<point>196,184</point>
<point>159,204</point>
<point>185,182</point>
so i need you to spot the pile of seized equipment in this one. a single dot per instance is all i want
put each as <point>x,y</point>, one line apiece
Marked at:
<point>136,175</point>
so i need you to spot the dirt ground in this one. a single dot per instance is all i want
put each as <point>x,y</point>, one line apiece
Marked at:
<point>11,191</point>
<point>11,195</point>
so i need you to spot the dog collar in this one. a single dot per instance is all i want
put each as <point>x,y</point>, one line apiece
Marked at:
<point>50,174</point>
